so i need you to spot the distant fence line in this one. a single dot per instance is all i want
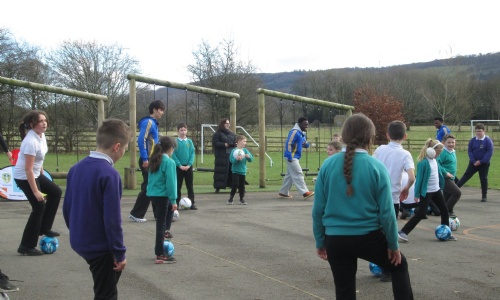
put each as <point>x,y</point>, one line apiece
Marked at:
<point>85,142</point>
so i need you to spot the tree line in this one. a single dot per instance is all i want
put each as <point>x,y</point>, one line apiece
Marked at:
<point>454,91</point>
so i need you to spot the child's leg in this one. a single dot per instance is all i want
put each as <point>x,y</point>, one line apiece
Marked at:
<point>419,214</point>
<point>396,209</point>
<point>170,216</point>
<point>241,186</point>
<point>454,194</point>
<point>438,200</point>
<point>161,215</point>
<point>53,198</point>
<point>180,178</point>
<point>105,278</point>
<point>189,183</point>
<point>234,184</point>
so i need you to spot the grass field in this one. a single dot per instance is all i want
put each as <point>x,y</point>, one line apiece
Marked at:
<point>311,160</point>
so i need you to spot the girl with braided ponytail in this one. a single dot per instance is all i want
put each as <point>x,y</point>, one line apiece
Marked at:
<point>353,215</point>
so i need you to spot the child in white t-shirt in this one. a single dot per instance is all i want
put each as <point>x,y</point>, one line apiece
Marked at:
<point>397,160</point>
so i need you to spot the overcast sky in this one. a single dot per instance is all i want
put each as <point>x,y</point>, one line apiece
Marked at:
<point>276,36</point>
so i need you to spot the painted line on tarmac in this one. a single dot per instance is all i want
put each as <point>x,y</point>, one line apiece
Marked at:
<point>235,264</point>
<point>468,236</point>
<point>480,238</point>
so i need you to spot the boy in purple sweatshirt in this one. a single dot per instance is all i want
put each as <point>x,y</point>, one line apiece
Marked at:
<point>92,210</point>
<point>480,152</point>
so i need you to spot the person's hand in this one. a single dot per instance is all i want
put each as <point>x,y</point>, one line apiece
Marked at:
<point>226,144</point>
<point>404,194</point>
<point>394,256</point>
<point>322,253</point>
<point>174,207</point>
<point>9,155</point>
<point>145,163</point>
<point>477,163</point>
<point>119,266</point>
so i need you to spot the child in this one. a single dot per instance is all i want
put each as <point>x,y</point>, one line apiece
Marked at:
<point>162,190</point>
<point>430,181</point>
<point>333,147</point>
<point>184,157</point>
<point>353,215</point>
<point>42,193</point>
<point>480,151</point>
<point>336,138</point>
<point>448,162</point>
<point>239,169</point>
<point>397,160</point>
<point>92,210</point>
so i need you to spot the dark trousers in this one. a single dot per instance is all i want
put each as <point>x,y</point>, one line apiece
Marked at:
<point>105,278</point>
<point>142,202</point>
<point>238,182</point>
<point>483,176</point>
<point>396,209</point>
<point>451,193</point>
<point>188,177</point>
<point>437,198</point>
<point>162,206</point>
<point>343,253</point>
<point>43,213</point>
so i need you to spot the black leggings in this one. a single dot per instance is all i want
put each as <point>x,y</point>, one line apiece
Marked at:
<point>43,213</point>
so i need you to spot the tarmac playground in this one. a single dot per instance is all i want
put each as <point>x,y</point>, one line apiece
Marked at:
<point>264,250</point>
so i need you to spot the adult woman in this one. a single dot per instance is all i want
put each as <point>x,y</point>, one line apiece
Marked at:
<point>223,142</point>
<point>43,194</point>
<point>353,214</point>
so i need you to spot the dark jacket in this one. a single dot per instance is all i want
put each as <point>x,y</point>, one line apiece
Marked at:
<point>222,166</point>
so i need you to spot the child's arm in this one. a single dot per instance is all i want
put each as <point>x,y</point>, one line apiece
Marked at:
<point>171,181</point>
<point>191,153</point>
<point>248,155</point>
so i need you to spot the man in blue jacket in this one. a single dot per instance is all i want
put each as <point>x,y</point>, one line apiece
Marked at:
<point>480,152</point>
<point>441,128</point>
<point>295,141</point>
<point>148,138</point>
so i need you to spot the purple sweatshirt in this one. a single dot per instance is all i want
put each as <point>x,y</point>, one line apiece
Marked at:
<point>481,150</point>
<point>91,208</point>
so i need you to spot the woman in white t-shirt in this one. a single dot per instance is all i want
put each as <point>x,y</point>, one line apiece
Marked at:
<point>43,194</point>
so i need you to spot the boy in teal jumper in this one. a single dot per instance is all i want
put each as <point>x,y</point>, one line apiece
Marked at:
<point>448,162</point>
<point>238,158</point>
<point>184,158</point>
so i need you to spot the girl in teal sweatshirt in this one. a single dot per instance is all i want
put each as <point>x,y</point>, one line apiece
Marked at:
<point>428,186</point>
<point>162,190</point>
<point>353,214</point>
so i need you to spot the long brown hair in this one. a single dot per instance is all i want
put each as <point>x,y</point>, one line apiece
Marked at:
<point>358,132</point>
<point>164,145</point>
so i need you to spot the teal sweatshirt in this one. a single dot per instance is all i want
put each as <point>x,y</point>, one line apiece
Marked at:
<point>240,166</point>
<point>423,175</point>
<point>369,208</point>
<point>448,162</point>
<point>184,153</point>
<point>163,183</point>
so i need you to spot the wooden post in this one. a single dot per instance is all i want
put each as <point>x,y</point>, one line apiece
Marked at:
<point>262,139</point>
<point>130,174</point>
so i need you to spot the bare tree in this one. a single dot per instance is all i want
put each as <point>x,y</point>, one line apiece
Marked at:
<point>21,61</point>
<point>220,68</point>
<point>95,68</point>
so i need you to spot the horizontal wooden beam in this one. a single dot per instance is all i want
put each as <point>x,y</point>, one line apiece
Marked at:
<point>182,86</point>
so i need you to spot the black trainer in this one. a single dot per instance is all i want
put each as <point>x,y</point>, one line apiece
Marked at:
<point>5,285</point>
<point>29,251</point>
